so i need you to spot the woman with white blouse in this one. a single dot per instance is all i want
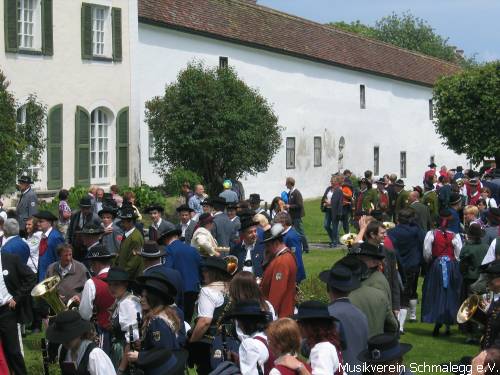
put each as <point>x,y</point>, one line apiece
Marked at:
<point>202,239</point>
<point>33,237</point>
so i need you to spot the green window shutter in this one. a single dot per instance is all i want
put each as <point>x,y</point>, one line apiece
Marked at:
<point>10,25</point>
<point>117,33</point>
<point>86,31</point>
<point>82,147</point>
<point>47,25</point>
<point>54,147</point>
<point>122,147</point>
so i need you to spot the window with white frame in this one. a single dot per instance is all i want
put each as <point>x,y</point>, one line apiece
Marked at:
<point>33,169</point>
<point>402,163</point>
<point>98,30</point>
<point>290,153</point>
<point>28,24</point>
<point>317,151</point>
<point>99,130</point>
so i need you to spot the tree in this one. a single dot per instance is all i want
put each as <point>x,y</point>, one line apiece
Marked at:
<point>467,111</point>
<point>410,32</point>
<point>210,122</point>
<point>22,145</point>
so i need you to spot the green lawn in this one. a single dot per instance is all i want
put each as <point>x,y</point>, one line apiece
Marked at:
<point>426,349</point>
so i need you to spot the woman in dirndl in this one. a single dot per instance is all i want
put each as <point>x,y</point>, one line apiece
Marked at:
<point>443,281</point>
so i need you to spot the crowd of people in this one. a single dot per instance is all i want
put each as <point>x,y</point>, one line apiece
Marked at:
<point>218,291</point>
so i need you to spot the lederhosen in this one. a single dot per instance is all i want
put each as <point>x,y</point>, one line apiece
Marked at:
<point>82,367</point>
<point>492,326</point>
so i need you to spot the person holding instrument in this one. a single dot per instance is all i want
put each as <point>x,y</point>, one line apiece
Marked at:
<point>78,354</point>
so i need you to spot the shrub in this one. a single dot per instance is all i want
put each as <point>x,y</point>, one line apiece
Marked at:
<point>146,196</point>
<point>75,195</point>
<point>313,289</point>
<point>174,179</point>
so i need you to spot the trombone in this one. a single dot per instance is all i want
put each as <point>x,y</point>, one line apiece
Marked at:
<point>47,290</point>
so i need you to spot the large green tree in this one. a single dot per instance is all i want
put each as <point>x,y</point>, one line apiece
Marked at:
<point>467,111</point>
<point>410,32</point>
<point>210,122</point>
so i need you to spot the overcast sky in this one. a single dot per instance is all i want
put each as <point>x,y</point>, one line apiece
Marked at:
<point>471,25</point>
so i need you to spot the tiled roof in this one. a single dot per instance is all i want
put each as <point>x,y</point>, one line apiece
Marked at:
<point>257,26</point>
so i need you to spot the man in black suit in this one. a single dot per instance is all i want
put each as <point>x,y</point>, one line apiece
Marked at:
<point>186,223</point>
<point>16,282</point>
<point>158,224</point>
<point>84,216</point>
<point>223,228</point>
<point>250,252</point>
<point>295,208</point>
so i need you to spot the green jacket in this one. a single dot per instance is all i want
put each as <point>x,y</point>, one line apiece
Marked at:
<point>379,281</point>
<point>128,255</point>
<point>370,200</point>
<point>377,308</point>
<point>401,201</point>
<point>471,256</point>
<point>431,200</point>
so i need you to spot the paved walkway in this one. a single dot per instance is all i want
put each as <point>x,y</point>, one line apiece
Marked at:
<point>325,246</point>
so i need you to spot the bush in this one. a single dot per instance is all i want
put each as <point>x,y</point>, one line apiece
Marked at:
<point>174,179</point>
<point>313,289</point>
<point>145,196</point>
<point>75,195</point>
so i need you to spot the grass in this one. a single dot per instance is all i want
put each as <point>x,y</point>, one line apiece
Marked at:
<point>426,349</point>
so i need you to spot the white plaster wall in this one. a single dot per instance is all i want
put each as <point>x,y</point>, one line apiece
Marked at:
<point>66,78</point>
<point>310,99</point>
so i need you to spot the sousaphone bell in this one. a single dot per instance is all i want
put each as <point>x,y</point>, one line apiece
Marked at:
<point>47,290</point>
<point>348,239</point>
<point>232,264</point>
<point>475,309</point>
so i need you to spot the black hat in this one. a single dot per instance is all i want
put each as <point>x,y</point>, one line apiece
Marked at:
<point>67,326</point>
<point>383,348</point>
<point>154,207</point>
<point>494,215</point>
<point>445,213</point>
<point>218,203</point>
<point>254,198</point>
<point>85,202</point>
<point>475,231</point>
<point>247,222</point>
<point>184,208</point>
<point>418,189</point>
<point>248,309</point>
<point>432,165</point>
<point>492,268</point>
<point>45,215</point>
<point>127,213</point>
<point>25,180</point>
<point>160,284</point>
<point>313,310</point>
<point>206,202</point>
<point>460,168</point>
<point>232,206</point>
<point>473,182</point>
<point>273,233</point>
<point>205,218</point>
<point>117,274</point>
<point>99,252</point>
<point>216,263</point>
<point>340,277</point>
<point>106,209</point>
<point>377,214</point>
<point>356,265</point>
<point>380,181</point>
<point>169,230</point>
<point>150,249</point>
<point>92,229</point>
<point>159,361</point>
<point>399,182</point>
<point>455,198</point>
<point>369,250</point>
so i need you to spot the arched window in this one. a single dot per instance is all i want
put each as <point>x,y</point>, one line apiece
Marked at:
<point>99,133</point>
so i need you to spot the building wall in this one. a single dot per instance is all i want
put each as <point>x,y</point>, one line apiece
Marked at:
<point>65,78</point>
<point>311,100</point>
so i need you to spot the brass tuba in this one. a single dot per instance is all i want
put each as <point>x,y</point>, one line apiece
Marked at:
<point>475,309</point>
<point>232,264</point>
<point>348,239</point>
<point>47,290</point>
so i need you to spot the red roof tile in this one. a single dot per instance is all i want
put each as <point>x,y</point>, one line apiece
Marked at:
<point>257,26</point>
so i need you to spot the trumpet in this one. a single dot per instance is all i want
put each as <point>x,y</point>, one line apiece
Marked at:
<point>348,239</point>
<point>475,308</point>
<point>47,290</point>
<point>388,225</point>
<point>232,264</point>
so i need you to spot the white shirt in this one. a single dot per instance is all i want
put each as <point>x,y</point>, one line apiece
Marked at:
<point>65,270</point>
<point>33,242</point>
<point>157,224</point>
<point>210,298</point>
<point>7,239</point>
<point>429,239</point>
<point>5,296</point>
<point>47,234</point>
<point>88,296</point>
<point>99,362</point>
<point>184,227</point>
<point>127,308</point>
<point>324,359</point>
<point>490,254</point>
<point>253,352</point>
<point>491,203</point>
<point>129,232</point>
<point>248,256</point>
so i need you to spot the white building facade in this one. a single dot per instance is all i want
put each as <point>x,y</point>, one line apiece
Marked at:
<point>75,57</point>
<point>333,117</point>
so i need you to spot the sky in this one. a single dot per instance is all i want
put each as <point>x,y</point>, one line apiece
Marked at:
<point>471,25</point>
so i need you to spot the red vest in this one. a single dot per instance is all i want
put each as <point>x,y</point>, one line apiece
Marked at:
<point>103,301</point>
<point>442,245</point>
<point>286,371</point>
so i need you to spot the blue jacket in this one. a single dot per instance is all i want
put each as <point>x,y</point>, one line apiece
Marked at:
<point>408,241</point>
<point>50,256</point>
<point>454,225</point>
<point>185,259</point>
<point>257,254</point>
<point>16,246</point>
<point>294,243</point>
<point>174,277</point>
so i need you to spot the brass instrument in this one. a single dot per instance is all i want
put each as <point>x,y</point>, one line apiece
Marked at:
<point>47,289</point>
<point>222,250</point>
<point>388,225</point>
<point>232,264</point>
<point>348,239</point>
<point>475,309</point>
